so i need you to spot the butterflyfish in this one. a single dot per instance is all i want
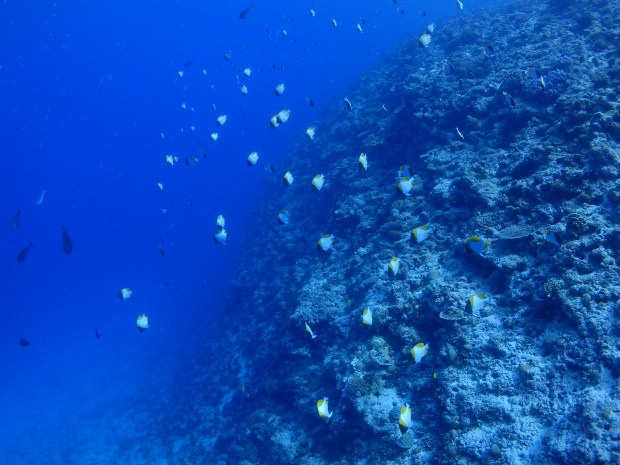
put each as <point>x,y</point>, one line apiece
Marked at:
<point>220,222</point>
<point>284,217</point>
<point>171,159</point>
<point>476,245</point>
<point>404,171</point>
<point>367,317</point>
<point>323,409</point>
<point>317,182</point>
<point>288,178</point>
<point>420,233</point>
<point>393,266</point>
<point>142,323</point>
<point>309,330</point>
<point>404,419</point>
<point>325,242</point>
<point>221,120</point>
<point>533,72</point>
<point>244,90</point>
<point>160,186</point>
<point>214,136</point>
<point>247,72</point>
<point>220,236</point>
<point>476,303</point>
<point>430,28</point>
<point>310,133</point>
<point>363,161</point>
<point>279,89</point>
<point>125,293</point>
<point>488,50</point>
<point>405,185</point>
<point>252,159</point>
<point>424,40</point>
<point>419,351</point>
<point>553,238</point>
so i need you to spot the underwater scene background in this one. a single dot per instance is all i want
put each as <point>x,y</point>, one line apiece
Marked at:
<point>420,267</point>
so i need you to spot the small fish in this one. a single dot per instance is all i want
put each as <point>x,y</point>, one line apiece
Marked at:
<point>363,161</point>
<point>142,323</point>
<point>125,293</point>
<point>334,22</point>
<point>310,331</point>
<point>188,63</point>
<point>247,72</point>
<point>533,72</point>
<point>171,159</point>
<point>284,33</point>
<point>476,303</point>
<point>459,4</point>
<point>220,236</point>
<point>160,186</point>
<point>310,101</point>
<point>214,136</point>
<point>284,217</point>
<point>367,317</point>
<point>359,28</point>
<point>312,13</point>
<point>221,221</point>
<point>349,106</point>
<point>164,211</point>
<point>280,118</point>
<point>191,161</point>
<point>476,245</point>
<point>404,419</point>
<point>488,50</point>
<point>67,245</point>
<point>15,223</point>
<point>553,238</point>
<point>246,12</point>
<point>162,251</point>
<point>400,10</point>
<point>41,197</point>
<point>279,89</point>
<point>318,181</point>
<point>252,159</point>
<point>310,132</point>
<point>460,134</point>
<point>244,90</point>
<point>180,73</point>
<point>221,120</point>
<point>325,242</point>
<point>384,108</point>
<point>448,67</point>
<point>424,40</point>
<point>419,351</point>
<point>227,55</point>
<point>509,100</point>
<point>323,409</point>
<point>97,334</point>
<point>288,178</point>
<point>21,256</point>
<point>420,233</point>
<point>405,185</point>
<point>393,266</point>
<point>430,28</point>
<point>23,342</point>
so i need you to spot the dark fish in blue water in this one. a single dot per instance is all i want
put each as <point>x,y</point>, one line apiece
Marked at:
<point>162,251</point>
<point>97,334</point>
<point>23,342</point>
<point>24,253</point>
<point>245,13</point>
<point>67,245</point>
<point>188,63</point>
<point>16,219</point>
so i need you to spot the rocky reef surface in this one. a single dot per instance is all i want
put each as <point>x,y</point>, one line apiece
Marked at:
<point>532,377</point>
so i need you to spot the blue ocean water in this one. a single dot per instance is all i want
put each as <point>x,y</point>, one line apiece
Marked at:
<point>88,89</point>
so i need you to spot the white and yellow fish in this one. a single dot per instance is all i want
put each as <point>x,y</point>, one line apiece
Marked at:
<point>404,419</point>
<point>288,178</point>
<point>171,159</point>
<point>220,236</point>
<point>419,351</point>
<point>476,303</point>
<point>284,217</point>
<point>221,120</point>
<point>476,245</point>
<point>424,40</point>
<point>142,323</point>
<point>317,182</point>
<point>325,242</point>
<point>405,185</point>
<point>323,409</point>
<point>214,136</point>
<point>279,89</point>
<point>367,317</point>
<point>420,233</point>
<point>393,266</point>
<point>252,159</point>
<point>125,293</point>
<point>309,331</point>
<point>247,72</point>
<point>363,161</point>
<point>221,221</point>
<point>460,134</point>
<point>310,133</point>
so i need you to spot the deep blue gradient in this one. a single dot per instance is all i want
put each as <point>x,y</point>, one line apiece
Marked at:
<point>86,89</point>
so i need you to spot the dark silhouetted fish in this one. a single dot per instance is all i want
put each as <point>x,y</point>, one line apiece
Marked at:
<point>67,245</point>
<point>23,342</point>
<point>97,334</point>
<point>16,219</point>
<point>162,251</point>
<point>24,253</point>
<point>188,63</point>
<point>245,13</point>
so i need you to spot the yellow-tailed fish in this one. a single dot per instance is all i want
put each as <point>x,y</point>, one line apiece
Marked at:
<point>244,90</point>
<point>419,351</point>
<point>221,120</point>
<point>323,409</point>
<point>405,185</point>
<point>318,181</point>
<point>533,72</point>
<point>288,178</point>
<point>404,420</point>
<point>220,222</point>
<point>393,266</point>
<point>142,323</point>
<point>476,245</point>
<point>252,159</point>
<point>279,89</point>
<point>171,159</point>
<point>310,133</point>
<point>220,236</point>
<point>424,40</point>
<point>247,72</point>
<point>284,217</point>
<point>476,303</point>
<point>125,293</point>
<point>363,161</point>
<point>325,242</point>
<point>367,317</point>
<point>420,233</point>
<point>309,331</point>
<point>214,136</point>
